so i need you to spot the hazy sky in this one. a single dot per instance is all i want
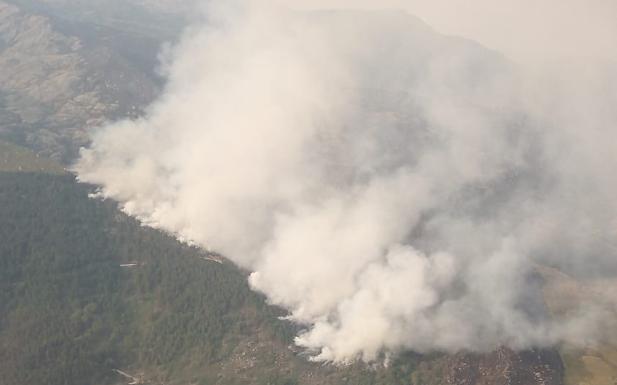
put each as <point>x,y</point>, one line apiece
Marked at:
<point>529,31</point>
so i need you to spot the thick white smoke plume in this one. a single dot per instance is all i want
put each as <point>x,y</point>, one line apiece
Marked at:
<point>393,188</point>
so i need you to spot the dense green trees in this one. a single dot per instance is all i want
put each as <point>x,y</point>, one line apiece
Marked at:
<point>70,313</point>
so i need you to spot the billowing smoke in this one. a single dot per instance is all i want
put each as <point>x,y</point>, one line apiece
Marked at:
<point>392,187</point>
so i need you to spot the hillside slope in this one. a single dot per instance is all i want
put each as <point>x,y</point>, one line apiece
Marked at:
<point>60,79</point>
<point>86,290</point>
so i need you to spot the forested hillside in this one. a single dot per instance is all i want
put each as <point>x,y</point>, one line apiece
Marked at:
<point>85,290</point>
<point>70,313</point>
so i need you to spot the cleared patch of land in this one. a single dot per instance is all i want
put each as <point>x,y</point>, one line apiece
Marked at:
<point>14,158</point>
<point>563,294</point>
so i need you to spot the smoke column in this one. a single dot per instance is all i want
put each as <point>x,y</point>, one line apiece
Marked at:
<point>392,187</point>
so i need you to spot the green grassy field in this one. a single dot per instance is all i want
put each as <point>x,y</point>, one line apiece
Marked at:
<point>14,158</point>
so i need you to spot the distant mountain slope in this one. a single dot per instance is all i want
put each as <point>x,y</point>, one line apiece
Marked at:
<point>58,79</point>
<point>158,19</point>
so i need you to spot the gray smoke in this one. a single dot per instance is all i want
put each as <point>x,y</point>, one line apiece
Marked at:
<point>392,187</point>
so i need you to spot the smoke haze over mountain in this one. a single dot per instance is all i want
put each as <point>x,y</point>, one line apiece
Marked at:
<point>527,31</point>
<point>392,187</point>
